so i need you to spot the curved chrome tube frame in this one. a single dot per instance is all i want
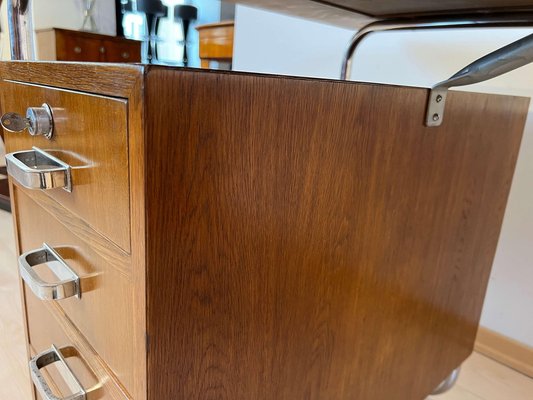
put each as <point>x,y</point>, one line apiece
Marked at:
<point>447,383</point>
<point>523,19</point>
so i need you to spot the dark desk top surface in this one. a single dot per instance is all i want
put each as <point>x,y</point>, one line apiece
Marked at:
<point>388,8</point>
<point>354,14</point>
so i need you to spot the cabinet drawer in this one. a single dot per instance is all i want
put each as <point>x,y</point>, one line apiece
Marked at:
<point>90,135</point>
<point>104,311</point>
<point>71,47</point>
<point>47,328</point>
<point>122,52</point>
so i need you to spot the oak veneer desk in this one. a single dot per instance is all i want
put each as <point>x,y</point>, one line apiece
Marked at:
<point>239,236</point>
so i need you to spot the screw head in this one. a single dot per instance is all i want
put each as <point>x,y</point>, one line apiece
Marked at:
<point>436,117</point>
<point>438,99</point>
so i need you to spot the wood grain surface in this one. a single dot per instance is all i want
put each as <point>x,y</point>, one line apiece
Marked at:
<point>88,46</point>
<point>48,325</point>
<point>104,314</point>
<point>114,256</point>
<point>124,83</point>
<point>296,238</point>
<point>105,79</point>
<point>215,42</point>
<point>138,175</point>
<point>312,239</point>
<point>90,135</point>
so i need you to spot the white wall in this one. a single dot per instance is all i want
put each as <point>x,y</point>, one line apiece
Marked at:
<point>68,14</point>
<point>60,14</point>
<point>272,43</point>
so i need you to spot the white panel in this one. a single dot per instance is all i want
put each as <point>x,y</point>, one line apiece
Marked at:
<point>273,43</point>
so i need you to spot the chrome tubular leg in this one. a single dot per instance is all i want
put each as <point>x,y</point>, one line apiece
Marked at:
<point>524,19</point>
<point>447,383</point>
<point>499,62</point>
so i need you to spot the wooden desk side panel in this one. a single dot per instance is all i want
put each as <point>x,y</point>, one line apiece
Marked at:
<point>312,239</point>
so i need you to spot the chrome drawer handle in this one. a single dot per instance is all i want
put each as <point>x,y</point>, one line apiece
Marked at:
<point>48,357</point>
<point>37,169</point>
<point>68,286</point>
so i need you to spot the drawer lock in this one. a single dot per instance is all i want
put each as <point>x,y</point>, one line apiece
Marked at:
<point>38,121</point>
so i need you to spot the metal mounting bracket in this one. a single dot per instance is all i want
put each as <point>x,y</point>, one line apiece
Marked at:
<point>499,62</point>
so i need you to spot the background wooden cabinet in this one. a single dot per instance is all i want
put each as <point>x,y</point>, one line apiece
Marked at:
<point>66,45</point>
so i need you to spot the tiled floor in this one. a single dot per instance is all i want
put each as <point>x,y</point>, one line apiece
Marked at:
<point>480,379</point>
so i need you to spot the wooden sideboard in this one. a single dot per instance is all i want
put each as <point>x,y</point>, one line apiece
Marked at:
<point>241,236</point>
<point>68,45</point>
<point>216,42</point>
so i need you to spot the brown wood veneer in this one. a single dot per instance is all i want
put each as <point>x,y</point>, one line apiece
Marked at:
<point>297,238</point>
<point>91,135</point>
<point>321,242</point>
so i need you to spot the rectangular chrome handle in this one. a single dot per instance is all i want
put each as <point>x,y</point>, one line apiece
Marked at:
<point>48,357</point>
<point>37,169</point>
<point>68,286</point>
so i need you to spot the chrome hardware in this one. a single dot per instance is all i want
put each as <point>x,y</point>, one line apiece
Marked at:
<point>38,121</point>
<point>499,20</point>
<point>125,55</point>
<point>41,121</point>
<point>77,49</point>
<point>499,62</point>
<point>14,122</point>
<point>69,284</point>
<point>36,169</point>
<point>46,358</point>
<point>447,383</point>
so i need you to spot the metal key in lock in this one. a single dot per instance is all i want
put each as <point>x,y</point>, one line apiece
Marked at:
<point>38,121</point>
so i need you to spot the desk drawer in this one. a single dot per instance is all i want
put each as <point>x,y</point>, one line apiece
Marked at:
<point>78,48</point>
<point>90,135</point>
<point>47,328</point>
<point>104,311</point>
